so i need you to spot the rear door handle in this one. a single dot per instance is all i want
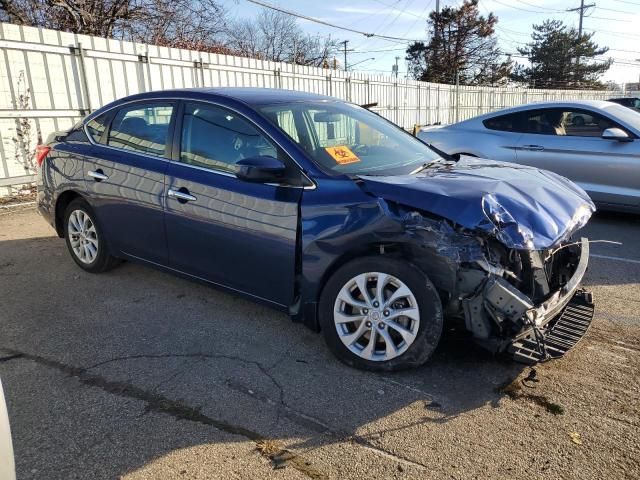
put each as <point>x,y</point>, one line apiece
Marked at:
<point>533,148</point>
<point>97,175</point>
<point>181,195</point>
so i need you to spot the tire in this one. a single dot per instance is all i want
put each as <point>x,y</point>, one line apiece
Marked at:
<point>81,228</point>
<point>347,326</point>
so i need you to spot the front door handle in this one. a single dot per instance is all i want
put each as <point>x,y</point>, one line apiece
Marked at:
<point>97,175</point>
<point>182,195</point>
<point>533,148</point>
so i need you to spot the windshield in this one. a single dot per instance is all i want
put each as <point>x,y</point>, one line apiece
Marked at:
<point>628,115</point>
<point>348,139</point>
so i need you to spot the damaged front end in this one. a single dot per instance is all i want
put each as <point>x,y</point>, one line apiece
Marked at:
<point>496,240</point>
<point>535,309</point>
<point>528,302</point>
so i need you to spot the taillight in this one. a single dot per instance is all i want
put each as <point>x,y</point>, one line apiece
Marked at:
<point>41,153</point>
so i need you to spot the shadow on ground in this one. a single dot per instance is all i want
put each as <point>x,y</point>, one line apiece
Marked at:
<point>93,364</point>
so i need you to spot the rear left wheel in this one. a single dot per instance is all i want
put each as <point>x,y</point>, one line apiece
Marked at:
<point>381,314</point>
<point>84,238</point>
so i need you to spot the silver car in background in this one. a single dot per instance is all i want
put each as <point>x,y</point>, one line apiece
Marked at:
<point>594,143</point>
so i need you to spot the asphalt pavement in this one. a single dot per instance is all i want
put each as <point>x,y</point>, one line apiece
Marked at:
<point>141,375</point>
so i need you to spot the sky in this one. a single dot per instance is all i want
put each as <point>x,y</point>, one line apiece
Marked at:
<point>615,23</point>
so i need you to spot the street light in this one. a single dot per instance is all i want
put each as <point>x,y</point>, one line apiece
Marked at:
<point>361,61</point>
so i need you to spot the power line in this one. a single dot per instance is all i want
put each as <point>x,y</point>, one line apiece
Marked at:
<point>609,19</point>
<point>383,50</point>
<point>395,19</point>
<point>328,24</point>
<point>541,8</point>
<point>627,2</point>
<point>419,16</point>
<point>520,8</point>
<point>614,34</point>
<point>614,10</point>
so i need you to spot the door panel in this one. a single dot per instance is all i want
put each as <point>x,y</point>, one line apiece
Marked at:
<point>608,170</point>
<point>126,179</point>
<point>238,234</point>
<point>222,229</point>
<point>129,202</point>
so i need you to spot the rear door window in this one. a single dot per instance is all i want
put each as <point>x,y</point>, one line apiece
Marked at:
<point>143,128</point>
<point>96,126</point>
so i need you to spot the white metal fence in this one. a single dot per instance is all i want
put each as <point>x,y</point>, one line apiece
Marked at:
<point>50,79</point>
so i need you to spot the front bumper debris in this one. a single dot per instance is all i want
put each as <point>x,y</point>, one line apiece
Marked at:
<point>559,335</point>
<point>502,318</point>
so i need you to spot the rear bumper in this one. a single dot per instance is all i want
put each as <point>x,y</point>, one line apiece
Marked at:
<point>45,207</point>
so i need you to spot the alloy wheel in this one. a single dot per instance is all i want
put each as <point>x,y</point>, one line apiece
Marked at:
<point>83,236</point>
<point>376,316</point>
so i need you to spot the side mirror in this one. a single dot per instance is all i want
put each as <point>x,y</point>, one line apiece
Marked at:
<point>260,169</point>
<point>616,134</point>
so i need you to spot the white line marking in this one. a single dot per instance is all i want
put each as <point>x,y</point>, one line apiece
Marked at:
<point>619,259</point>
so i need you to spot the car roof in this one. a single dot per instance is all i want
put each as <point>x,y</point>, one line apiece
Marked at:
<point>598,104</point>
<point>250,96</point>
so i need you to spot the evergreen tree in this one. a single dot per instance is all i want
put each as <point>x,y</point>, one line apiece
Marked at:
<point>462,43</point>
<point>561,58</point>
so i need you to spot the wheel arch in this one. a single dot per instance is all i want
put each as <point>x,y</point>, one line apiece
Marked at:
<point>398,250</point>
<point>62,202</point>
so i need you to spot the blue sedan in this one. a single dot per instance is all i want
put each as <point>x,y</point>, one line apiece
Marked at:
<point>326,211</point>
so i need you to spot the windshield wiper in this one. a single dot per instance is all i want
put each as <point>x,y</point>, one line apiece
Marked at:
<point>424,166</point>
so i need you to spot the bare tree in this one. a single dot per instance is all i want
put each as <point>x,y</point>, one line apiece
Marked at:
<point>24,147</point>
<point>195,24</point>
<point>192,24</point>
<point>91,17</point>
<point>276,36</point>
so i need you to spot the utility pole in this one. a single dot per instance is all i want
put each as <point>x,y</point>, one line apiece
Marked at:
<point>395,69</point>
<point>345,42</point>
<point>581,9</point>
<point>437,25</point>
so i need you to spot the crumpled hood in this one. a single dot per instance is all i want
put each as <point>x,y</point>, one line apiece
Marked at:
<point>524,207</point>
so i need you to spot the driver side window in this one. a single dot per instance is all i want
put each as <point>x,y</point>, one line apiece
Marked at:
<point>216,138</point>
<point>567,122</point>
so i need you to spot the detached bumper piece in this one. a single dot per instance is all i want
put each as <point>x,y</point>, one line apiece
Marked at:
<point>559,335</point>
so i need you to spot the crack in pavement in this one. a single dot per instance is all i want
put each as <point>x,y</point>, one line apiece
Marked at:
<point>299,418</point>
<point>10,357</point>
<point>161,404</point>
<point>306,421</point>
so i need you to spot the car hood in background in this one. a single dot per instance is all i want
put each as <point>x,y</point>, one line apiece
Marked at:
<point>524,207</point>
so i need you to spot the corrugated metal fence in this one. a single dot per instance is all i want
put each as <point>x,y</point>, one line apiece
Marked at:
<point>50,79</point>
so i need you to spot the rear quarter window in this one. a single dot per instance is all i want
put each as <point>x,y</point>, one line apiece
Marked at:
<point>504,123</point>
<point>96,127</point>
<point>76,135</point>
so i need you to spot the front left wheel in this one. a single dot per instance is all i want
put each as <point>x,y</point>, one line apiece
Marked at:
<point>85,240</point>
<point>381,314</point>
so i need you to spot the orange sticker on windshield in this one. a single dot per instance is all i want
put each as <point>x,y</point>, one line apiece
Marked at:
<point>342,155</point>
